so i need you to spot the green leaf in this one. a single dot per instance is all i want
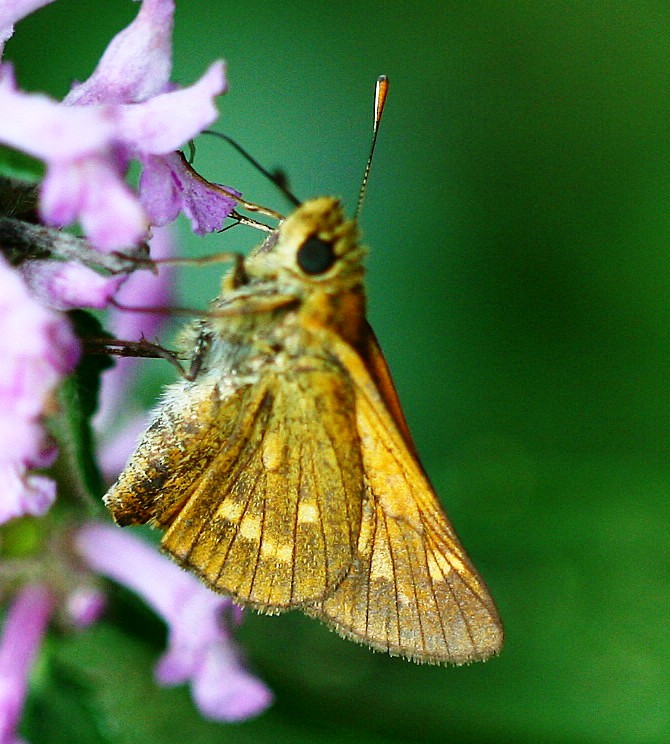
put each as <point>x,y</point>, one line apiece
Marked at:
<point>78,399</point>
<point>14,164</point>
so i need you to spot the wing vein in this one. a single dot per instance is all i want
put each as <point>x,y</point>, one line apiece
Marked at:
<point>205,522</point>
<point>259,543</point>
<point>340,472</point>
<point>373,538</point>
<point>295,521</point>
<point>457,602</point>
<point>389,542</point>
<point>414,589</point>
<point>232,541</point>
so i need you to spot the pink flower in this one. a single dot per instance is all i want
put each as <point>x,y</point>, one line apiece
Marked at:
<point>200,648</point>
<point>168,186</point>
<point>137,62</point>
<point>25,626</point>
<point>39,347</point>
<point>125,110</point>
<point>63,285</point>
<point>24,493</point>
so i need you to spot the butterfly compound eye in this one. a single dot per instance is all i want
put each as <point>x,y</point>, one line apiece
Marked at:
<point>315,256</point>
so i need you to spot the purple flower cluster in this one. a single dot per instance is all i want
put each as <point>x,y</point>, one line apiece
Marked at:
<point>127,110</point>
<point>38,349</point>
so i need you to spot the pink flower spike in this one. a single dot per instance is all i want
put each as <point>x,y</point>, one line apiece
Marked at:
<point>85,160</point>
<point>168,186</point>
<point>137,62</point>
<point>12,11</point>
<point>126,110</point>
<point>38,348</point>
<point>25,626</point>
<point>200,649</point>
<point>28,330</point>
<point>67,285</point>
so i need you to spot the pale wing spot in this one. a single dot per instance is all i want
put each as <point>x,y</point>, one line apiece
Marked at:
<point>268,549</point>
<point>308,512</point>
<point>250,528</point>
<point>273,450</point>
<point>230,510</point>
<point>436,573</point>
<point>285,553</point>
<point>439,566</point>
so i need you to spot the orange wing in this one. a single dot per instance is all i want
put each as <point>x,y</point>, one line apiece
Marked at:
<point>412,590</point>
<point>270,513</point>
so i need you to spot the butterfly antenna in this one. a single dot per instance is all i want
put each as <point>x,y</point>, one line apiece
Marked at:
<point>278,179</point>
<point>381,91</point>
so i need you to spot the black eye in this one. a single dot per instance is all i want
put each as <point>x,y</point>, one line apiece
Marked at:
<point>315,256</point>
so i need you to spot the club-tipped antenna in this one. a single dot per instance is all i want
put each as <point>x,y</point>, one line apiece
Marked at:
<point>381,91</point>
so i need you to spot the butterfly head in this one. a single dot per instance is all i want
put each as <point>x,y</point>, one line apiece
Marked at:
<point>316,246</point>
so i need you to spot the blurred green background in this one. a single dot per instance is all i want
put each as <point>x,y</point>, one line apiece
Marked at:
<point>519,222</point>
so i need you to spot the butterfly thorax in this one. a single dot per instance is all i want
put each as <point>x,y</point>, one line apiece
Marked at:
<point>278,304</point>
<point>241,345</point>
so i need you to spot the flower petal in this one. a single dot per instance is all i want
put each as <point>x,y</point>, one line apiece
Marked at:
<point>160,192</point>
<point>44,128</point>
<point>225,691</point>
<point>38,348</point>
<point>66,285</point>
<point>137,62</point>
<point>24,494</point>
<point>84,606</point>
<point>93,191</point>
<point>22,438</point>
<point>168,184</point>
<point>166,122</point>
<point>22,635</point>
<point>200,648</point>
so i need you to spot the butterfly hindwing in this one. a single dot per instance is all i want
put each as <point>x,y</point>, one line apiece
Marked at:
<point>193,424</point>
<point>277,526</point>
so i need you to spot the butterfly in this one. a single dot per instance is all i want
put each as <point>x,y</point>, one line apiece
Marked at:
<point>284,475</point>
